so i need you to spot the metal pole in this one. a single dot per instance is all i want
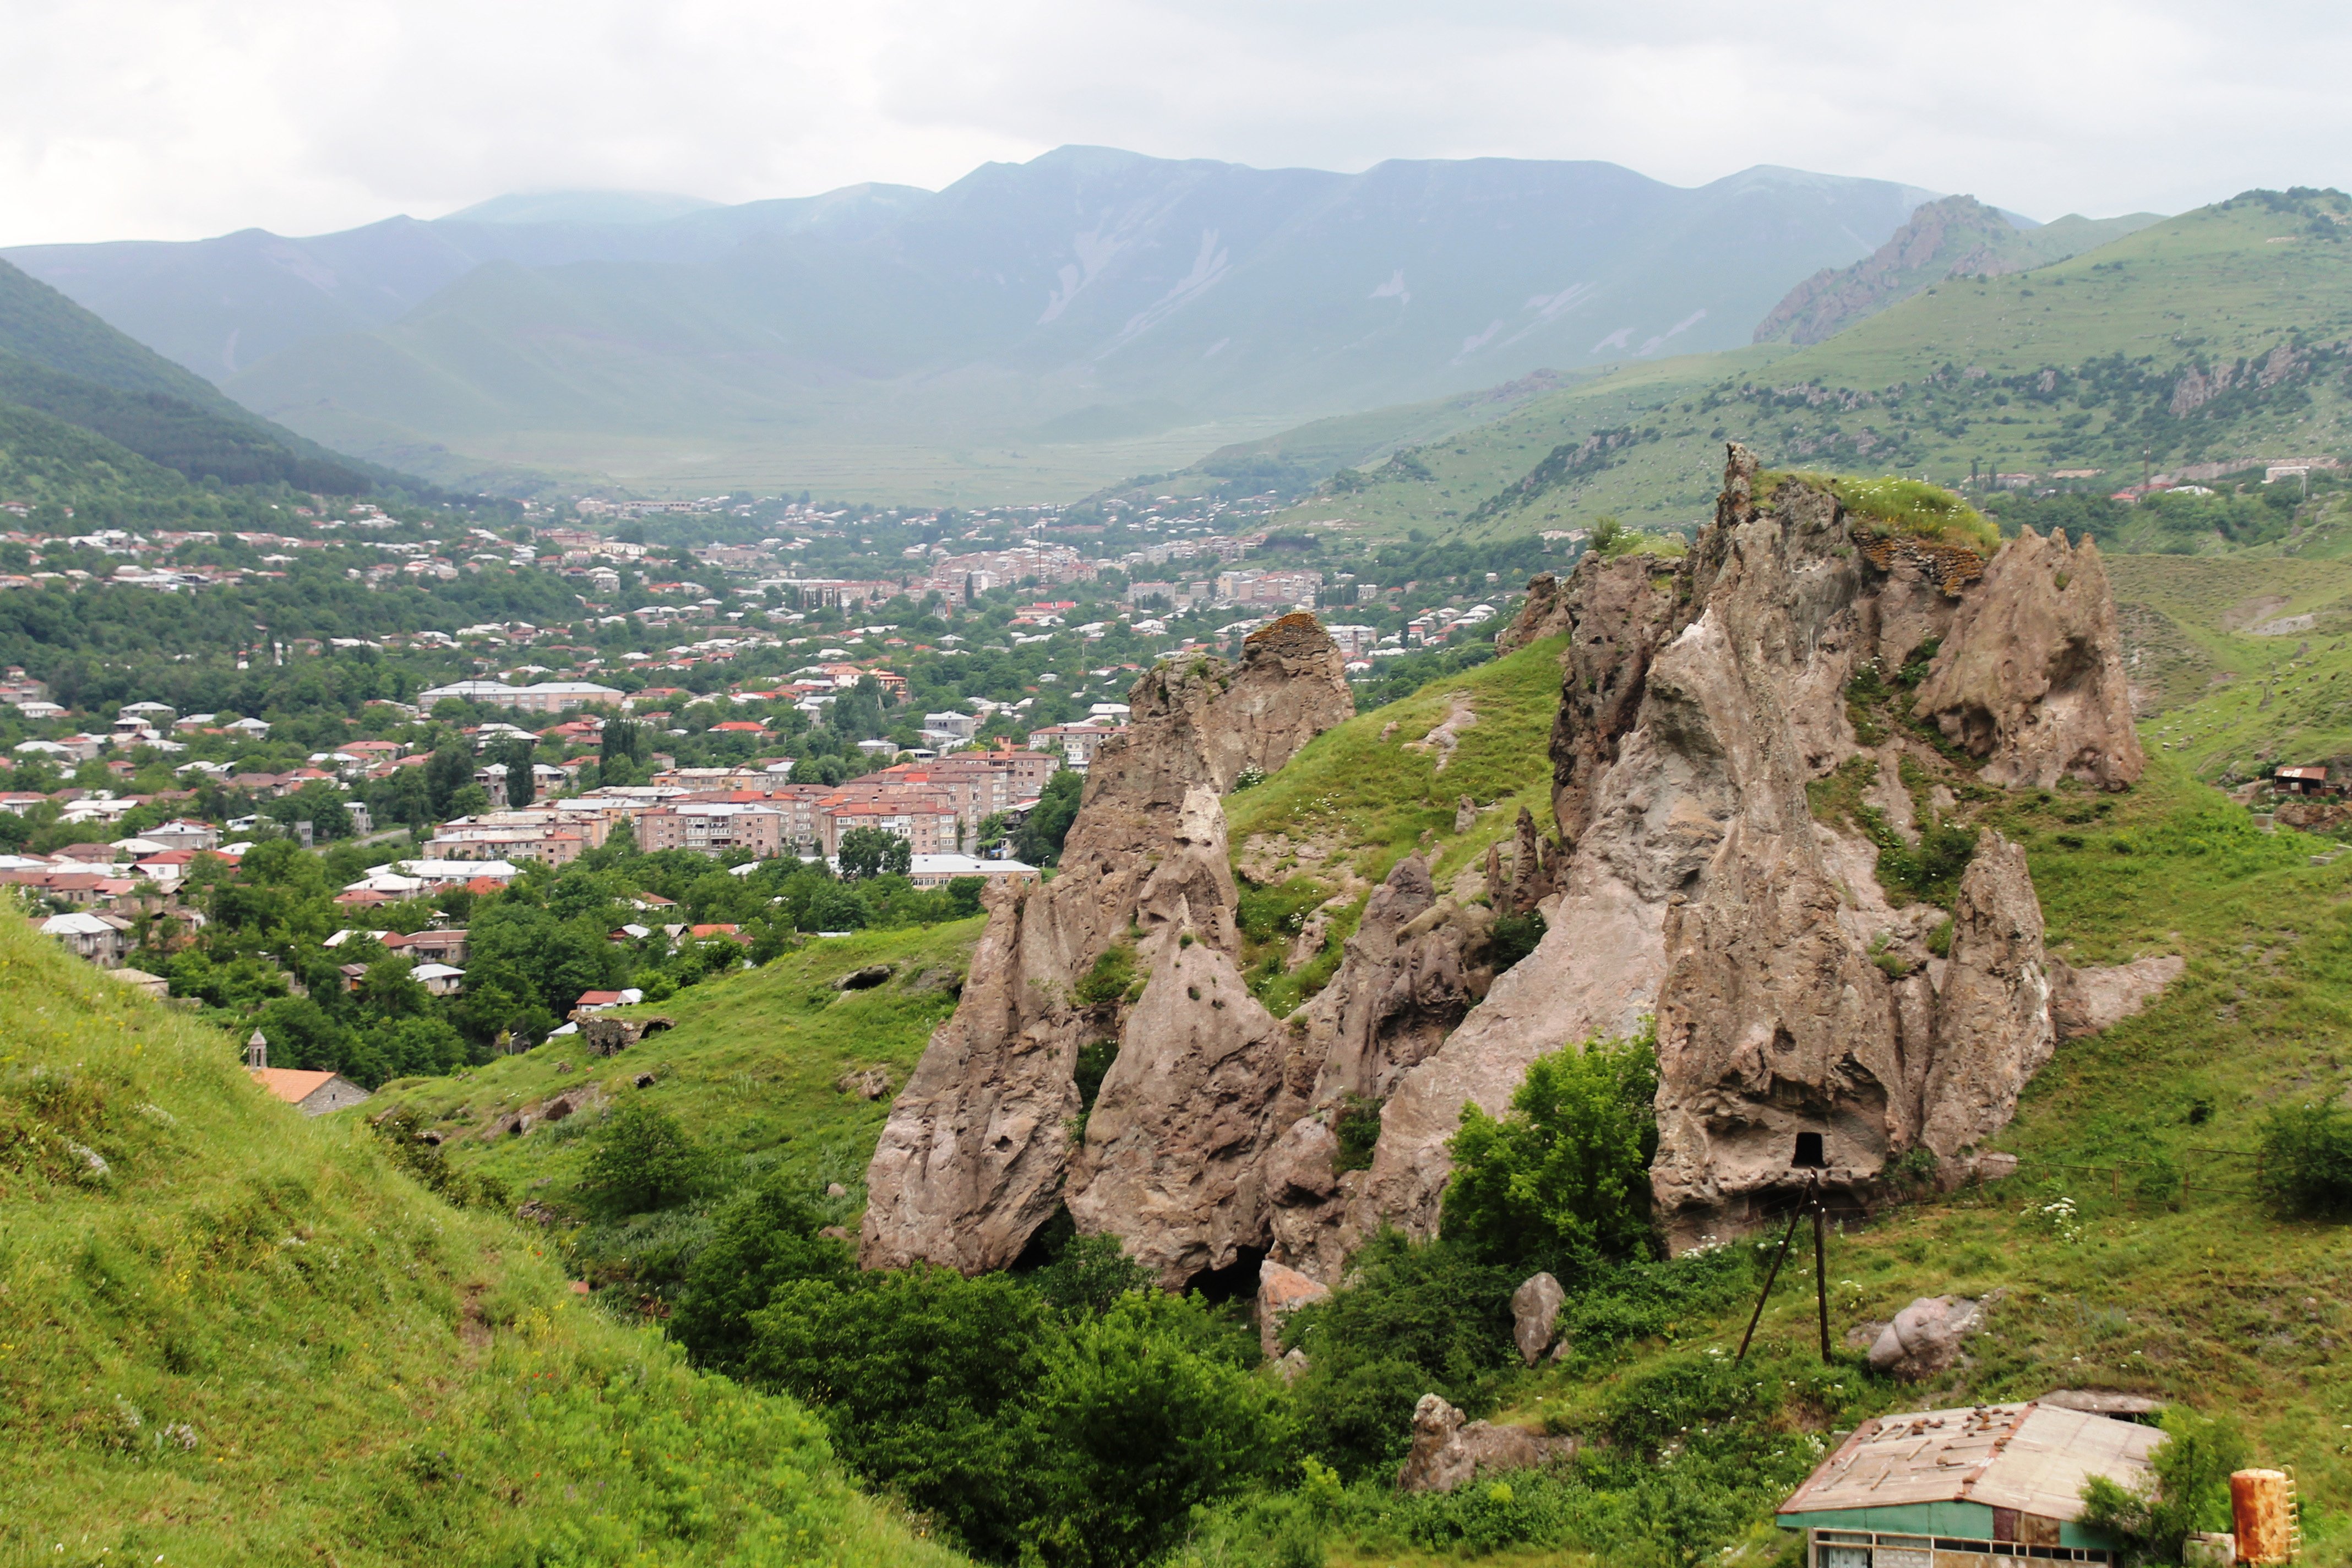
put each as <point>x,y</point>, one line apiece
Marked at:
<point>1786,1237</point>
<point>1821,1269</point>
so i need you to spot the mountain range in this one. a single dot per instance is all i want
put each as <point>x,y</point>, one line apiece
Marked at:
<point>1088,302</point>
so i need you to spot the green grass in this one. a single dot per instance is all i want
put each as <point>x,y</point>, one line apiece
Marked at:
<point>249,1340</point>
<point>753,1067</point>
<point>1888,506</point>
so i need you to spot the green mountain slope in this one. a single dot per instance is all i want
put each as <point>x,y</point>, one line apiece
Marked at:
<point>237,1336</point>
<point>2211,338</point>
<point>1954,236</point>
<point>45,460</point>
<point>62,360</point>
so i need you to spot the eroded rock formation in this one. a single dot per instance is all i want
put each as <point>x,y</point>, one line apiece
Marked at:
<point>2032,680</point>
<point>974,1155</point>
<point>1801,1016</point>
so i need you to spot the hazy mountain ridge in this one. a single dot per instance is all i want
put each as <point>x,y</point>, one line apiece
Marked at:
<point>1122,293</point>
<point>1947,238</point>
<point>64,362</point>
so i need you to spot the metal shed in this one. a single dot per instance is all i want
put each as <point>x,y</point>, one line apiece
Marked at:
<point>1964,1489</point>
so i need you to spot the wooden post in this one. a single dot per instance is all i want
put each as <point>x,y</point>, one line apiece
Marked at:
<point>1769,1280</point>
<point>1821,1269</point>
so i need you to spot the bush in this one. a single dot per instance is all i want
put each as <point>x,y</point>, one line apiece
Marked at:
<point>1422,1318</point>
<point>2307,1159</point>
<point>1148,1411</point>
<point>921,1374</point>
<point>764,1238</point>
<point>1358,1128</point>
<point>2185,1488</point>
<point>1514,937</point>
<point>641,1158</point>
<point>1566,1172</point>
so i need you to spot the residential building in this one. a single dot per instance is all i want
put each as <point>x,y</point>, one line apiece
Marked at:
<point>100,939</point>
<point>938,870</point>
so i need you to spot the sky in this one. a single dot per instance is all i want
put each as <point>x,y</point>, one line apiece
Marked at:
<point>176,119</point>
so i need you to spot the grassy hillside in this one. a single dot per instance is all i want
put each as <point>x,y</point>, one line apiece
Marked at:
<point>238,1337</point>
<point>1322,832</point>
<point>755,1067</point>
<point>2081,363</point>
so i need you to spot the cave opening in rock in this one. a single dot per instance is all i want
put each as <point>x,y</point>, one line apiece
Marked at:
<point>1235,1279</point>
<point>1810,1155</point>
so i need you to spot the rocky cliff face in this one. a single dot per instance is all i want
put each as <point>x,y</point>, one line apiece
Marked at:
<point>1705,702</point>
<point>1698,705</point>
<point>975,1154</point>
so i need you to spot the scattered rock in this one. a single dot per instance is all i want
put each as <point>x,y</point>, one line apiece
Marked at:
<point>865,979</point>
<point>534,1212</point>
<point>1280,1292</point>
<point>1292,1366</point>
<point>1448,1450</point>
<point>1466,815</point>
<point>2085,1001</point>
<point>1925,1337</point>
<point>2104,1402</point>
<point>645,1080</point>
<point>836,1233</point>
<point>605,1036</point>
<point>871,1083</point>
<point>835,1190</point>
<point>1534,1315</point>
<point>1447,733</point>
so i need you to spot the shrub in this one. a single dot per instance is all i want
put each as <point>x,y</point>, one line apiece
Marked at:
<point>1688,1391</point>
<point>921,1374</point>
<point>764,1238</point>
<point>2307,1158</point>
<point>1421,1317</point>
<point>641,1158</point>
<point>1515,937</point>
<point>1148,1411</point>
<point>1358,1128</point>
<point>426,1163</point>
<point>1088,1274</point>
<point>1565,1171</point>
<point>2185,1488</point>
<point>1107,981</point>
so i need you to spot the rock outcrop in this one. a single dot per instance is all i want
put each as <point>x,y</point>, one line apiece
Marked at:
<point>1448,1449</point>
<point>1280,1292</point>
<point>1925,1337</point>
<point>1534,1315</point>
<point>977,1145</point>
<point>1806,1032</point>
<point>2032,679</point>
<point>1697,705</point>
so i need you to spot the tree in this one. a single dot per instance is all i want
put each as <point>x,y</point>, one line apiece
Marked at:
<point>642,1159</point>
<point>451,770</point>
<point>1565,1174</point>
<point>1038,840</point>
<point>517,756</point>
<point>764,1238</point>
<point>869,852</point>
<point>2185,1488</point>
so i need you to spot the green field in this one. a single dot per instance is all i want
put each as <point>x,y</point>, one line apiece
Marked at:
<point>236,1336</point>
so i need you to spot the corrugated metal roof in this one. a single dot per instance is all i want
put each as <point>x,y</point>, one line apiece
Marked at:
<point>2032,1457</point>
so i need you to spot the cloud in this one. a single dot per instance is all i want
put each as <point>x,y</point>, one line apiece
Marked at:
<point>179,118</point>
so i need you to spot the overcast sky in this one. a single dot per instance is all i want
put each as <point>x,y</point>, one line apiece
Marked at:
<point>173,119</point>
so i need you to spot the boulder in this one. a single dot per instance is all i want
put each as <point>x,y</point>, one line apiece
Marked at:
<point>605,1036</point>
<point>864,979</point>
<point>1534,1315</point>
<point>1280,1292</point>
<point>1925,1337</point>
<point>1448,1449</point>
<point>2030,678</point>
<point>2086,1001</point>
